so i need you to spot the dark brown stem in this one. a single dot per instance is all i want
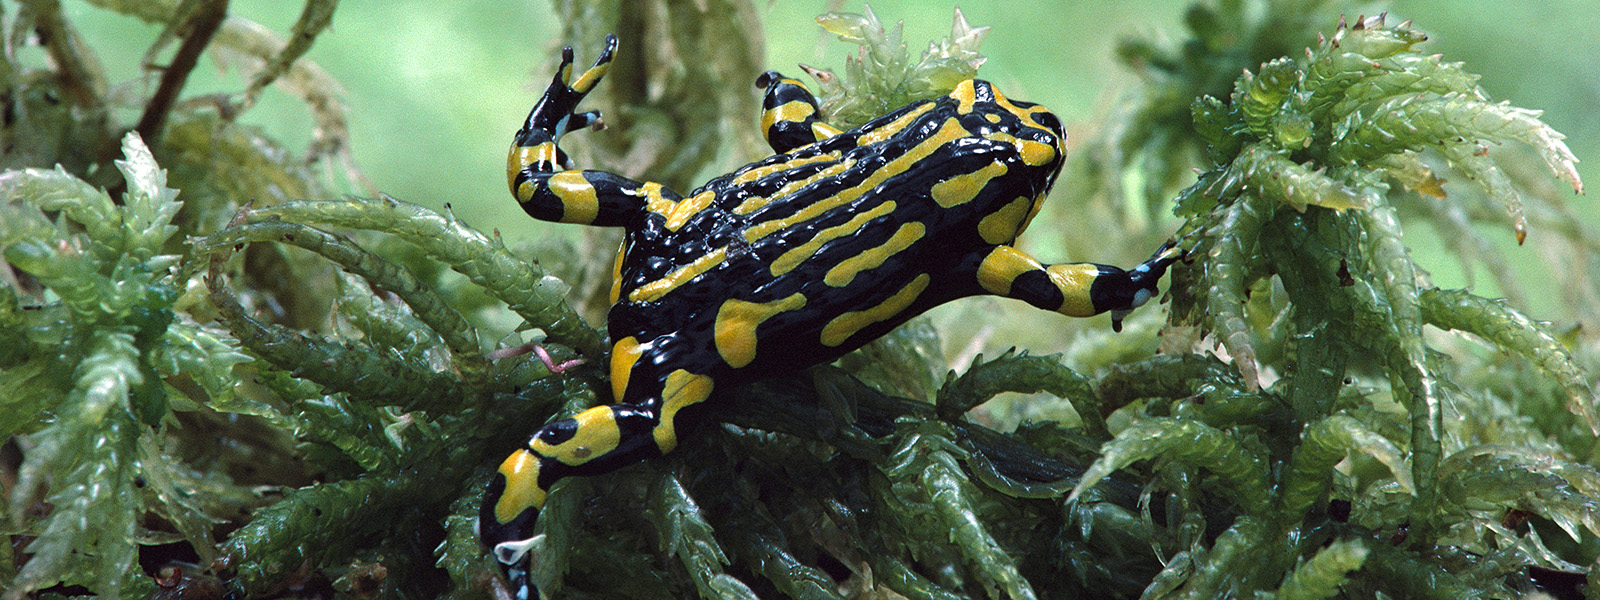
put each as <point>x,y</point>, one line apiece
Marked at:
<point>78,77</point>
<point>203,27</point>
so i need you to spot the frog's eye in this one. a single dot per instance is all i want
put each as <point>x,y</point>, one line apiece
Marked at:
<point>556,433</point>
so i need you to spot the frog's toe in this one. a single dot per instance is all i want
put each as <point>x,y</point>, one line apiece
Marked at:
<point>1149,272</point>
<point>512,545</point>
<point>564,72</point>
<point>1168,253</point>
<point>1116,318</point>
<point>602,65</point>
<point>590,120</point>
<point>765,80</point>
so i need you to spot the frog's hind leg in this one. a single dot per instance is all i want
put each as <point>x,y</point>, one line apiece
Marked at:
<point>789,114</point>
<point>1073,289</point>
<point>539,172</point>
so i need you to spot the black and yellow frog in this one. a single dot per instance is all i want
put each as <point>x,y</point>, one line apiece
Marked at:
<point>788,262</point>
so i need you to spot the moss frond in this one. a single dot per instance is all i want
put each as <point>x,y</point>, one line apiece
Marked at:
<point>925,471</point>
<point>1192,443</point>
<point>1324,444</point>
<point>1014,372</point>
<point>1321,576</point>
<point>883,77</point>
<point>1150,145</point>
<point>484,260</point>
<point>1512,332</point>
<point>84,357</point>
<point>687,536</point>
<point>95,450</point>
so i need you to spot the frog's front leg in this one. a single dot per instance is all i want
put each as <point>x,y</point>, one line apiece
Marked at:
<point>1073,289</point>
<point>539,172</point>
<point>790,114</point>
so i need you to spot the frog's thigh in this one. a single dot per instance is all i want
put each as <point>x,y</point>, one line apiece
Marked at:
<point>1064,288</point>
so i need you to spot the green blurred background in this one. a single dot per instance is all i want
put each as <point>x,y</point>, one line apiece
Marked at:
<point>435,89</point>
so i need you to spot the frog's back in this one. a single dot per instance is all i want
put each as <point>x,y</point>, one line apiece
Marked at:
<point>837,242</point>
<point>941,160</point>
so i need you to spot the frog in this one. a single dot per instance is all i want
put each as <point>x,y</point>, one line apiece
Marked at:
<point>788,262</point>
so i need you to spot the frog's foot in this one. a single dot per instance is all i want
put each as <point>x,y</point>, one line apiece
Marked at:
<point>555,114</point>
<point>790,114</point>
<point>1140,285</point>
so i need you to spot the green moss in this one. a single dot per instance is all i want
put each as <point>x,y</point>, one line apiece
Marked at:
<point>316,376</point>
